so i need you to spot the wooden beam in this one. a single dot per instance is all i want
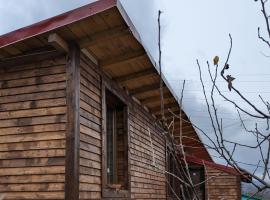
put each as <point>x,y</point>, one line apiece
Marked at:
<point>30,58</point>
<point>183,122</point>
<point>144,89</point>
<point>124,58</point>
<point>184,128</point>
<point>190,133</point>
<point>166,112</point>
<point>59,43</point>
<point>104,36</point>
<point>73,123</point>
<point>154,99</point>
<point>169,116</point>
<point>166,106</point>
<point>135,75</point>
<point>90,56</point>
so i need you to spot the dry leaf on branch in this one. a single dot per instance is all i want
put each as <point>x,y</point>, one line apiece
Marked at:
<point>230,79</point>
<point>215,60</point>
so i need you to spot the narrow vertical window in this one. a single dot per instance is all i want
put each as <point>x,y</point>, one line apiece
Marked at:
<point>116,142</point>
<point>110,146</point>
<point>198,178</point>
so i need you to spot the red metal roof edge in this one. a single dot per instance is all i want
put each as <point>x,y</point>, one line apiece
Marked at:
<point>223,168</point>
<point>56,22</point>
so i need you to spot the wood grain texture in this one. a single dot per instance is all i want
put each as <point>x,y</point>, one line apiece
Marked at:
<point>90,132</point>
<point>73,123</point>
<point>32,130</point>
<point>222,185</point>
<point>146,181</point>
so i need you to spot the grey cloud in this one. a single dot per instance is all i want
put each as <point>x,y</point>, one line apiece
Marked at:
<point>16,14</point>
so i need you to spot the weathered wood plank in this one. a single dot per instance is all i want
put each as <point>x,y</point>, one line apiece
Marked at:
<point>29,58</point>
<point>35,72</point>
<point>33,96</point>
<point>54,119</point>
<point>33,81</point>
<point>12,179</point>
<point>33,104</point>
<point>32,130</point>
<point>73,126</point>
<point>33,89</point>
<point>33,162</point>
<point>37,145</point>
<point>30,137</point>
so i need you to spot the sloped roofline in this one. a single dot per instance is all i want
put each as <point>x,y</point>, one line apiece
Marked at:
<point>71,17</point>
<point>230,170</point>
<point>74,16</point>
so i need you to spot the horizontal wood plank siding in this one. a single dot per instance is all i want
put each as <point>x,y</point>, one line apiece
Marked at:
<point>222,185</point>
<point>147,180</point>
<point>147,156</point>
<point>90,132</point>
<point>32,130</point>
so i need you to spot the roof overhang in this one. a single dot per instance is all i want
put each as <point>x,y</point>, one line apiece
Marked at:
<point>108,37</point>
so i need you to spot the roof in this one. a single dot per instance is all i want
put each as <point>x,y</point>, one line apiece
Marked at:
<point>106,34</point>
<point>56,22</point>
<point>226,169</point>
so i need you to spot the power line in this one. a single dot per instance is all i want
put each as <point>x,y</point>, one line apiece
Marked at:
<point>240,75</point>
<point>197,81</point>
<point>198,116</point>
<point>247,92</point>
<point>244,163</point>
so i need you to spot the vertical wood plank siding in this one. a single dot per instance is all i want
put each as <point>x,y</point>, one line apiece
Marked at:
<point>32,130</point>
<point>222,185</point>
<point>147,181</point>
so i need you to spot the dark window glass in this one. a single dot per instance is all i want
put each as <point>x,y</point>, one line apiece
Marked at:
<point>176,187</point>
<point>116,139</point>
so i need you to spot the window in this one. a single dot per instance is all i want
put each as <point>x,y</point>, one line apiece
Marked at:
<point>173,183</point>
<point>116,143</point>
<point>197,177</point>
<point>175,186</point>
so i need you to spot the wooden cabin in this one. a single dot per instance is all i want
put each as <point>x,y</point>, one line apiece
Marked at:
<point>80,111</point>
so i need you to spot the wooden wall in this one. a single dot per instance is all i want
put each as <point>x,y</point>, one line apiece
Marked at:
<point>147,177</point>
<point>147,181</point>
<point>222,185</point>
<point>33,135</point>
<point>90,132</point>
<point>32,130</point>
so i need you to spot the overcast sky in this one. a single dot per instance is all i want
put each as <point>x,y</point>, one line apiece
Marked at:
<point>190,30</point>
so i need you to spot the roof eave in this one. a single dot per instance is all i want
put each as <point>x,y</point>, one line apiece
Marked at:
<point>56,22</point>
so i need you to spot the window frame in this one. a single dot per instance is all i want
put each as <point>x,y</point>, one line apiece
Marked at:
<point>107,191</point>
<point>201,171</point>
<point>192,168</point>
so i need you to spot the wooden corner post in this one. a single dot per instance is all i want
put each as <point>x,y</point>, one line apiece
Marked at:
<point>73,123</point>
